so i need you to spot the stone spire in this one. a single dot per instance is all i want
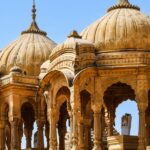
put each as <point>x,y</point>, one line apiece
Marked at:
<point>74,34</point>
<point>34,27</point>
<point>123,4</point>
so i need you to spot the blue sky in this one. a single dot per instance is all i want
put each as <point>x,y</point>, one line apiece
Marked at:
<point>58,18</point>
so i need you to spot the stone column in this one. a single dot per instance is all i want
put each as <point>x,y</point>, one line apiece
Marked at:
<point>20,128</point>
<point>71,123</point>
<point>52,125</point>
<point>74,131</point>
<point>2,135</point>
<point>97,128</point>
<point>142,129</point>
<point>71,127</point>
<point>8,135</point>
<point>81,134</point>
<point>142,98</point>
<point>110,122</point>
<point>62,132</point>
<point>28,133</point>
<point>87,133</point>
<point>15,136</point>
<point>47,133</point>
<point>40,126</point>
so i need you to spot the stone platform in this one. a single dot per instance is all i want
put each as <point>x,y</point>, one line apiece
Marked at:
<point>148,148</point>
<point>122,142</point>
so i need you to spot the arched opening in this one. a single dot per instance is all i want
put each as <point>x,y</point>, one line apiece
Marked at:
<point>63,124</point>
<point>114,96</point>
<point>127,108</point>
<point>28,117</point>
<point>87,119</point>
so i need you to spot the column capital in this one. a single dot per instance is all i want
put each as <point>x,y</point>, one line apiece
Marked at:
<point>51,112</point>
<point>16,121</point>
<point>97,108</point>
<point>142,106</point>
<point>40,124</point>
<point>80,120</point>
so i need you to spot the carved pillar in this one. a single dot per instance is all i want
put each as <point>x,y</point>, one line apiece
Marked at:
<point>87,133</point>
<point>142,129</point>
<point>40,126</point>
<point>74,131</point>
<point>97,128</point>
<point>81,134</point>
<point>142,98</point>
<point>70,122</point>
<point>71,127</point>
<point>15,135</point>
<point>47,134</point>
<point>52,125</point>
<point>28,127</point>
<point>62,132</point>
<point>2,135</point>
<point>20,128</point>
<point>8,135</point>
<point>110,121</point>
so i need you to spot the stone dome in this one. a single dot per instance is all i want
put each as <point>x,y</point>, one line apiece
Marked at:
<point>73,53</point>
<point>123,27</point>
<point>70,45</point>
<point>28,52</point>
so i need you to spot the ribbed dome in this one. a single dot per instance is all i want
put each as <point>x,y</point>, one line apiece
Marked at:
<point>69,45</point>
<point>28,52</point>
<point>123,27</point>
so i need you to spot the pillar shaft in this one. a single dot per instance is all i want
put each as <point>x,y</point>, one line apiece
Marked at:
<point>71,128</point>
<point>40,126</point>
<point>47,134</point>
<point>20,134</point>
<point>74,131</point>
<point>15,135</point>
<point>28,135</point>
<point>97,129</point>
<point>142,129</point>
<point>52,134</point>
<point>2,135</point>
<point>81,142</point>
<point>62,133</point>
<point>110,122</point>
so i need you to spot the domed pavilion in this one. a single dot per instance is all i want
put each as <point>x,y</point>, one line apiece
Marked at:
<point>72,90</point>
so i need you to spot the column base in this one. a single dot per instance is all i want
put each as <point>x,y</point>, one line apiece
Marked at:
<point>74,148</point>
<point>97,147</point>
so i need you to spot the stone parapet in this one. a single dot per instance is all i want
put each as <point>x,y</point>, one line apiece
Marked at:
<point>122,142</point>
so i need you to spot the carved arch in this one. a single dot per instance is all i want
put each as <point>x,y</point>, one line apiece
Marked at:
<point>118,92</point>
<point>32,103</point>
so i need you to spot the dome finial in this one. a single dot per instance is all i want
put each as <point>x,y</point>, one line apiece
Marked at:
<point>33,11</point>
<point>123,4</point>
<point>34,27</point>
<point>74,34</point>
